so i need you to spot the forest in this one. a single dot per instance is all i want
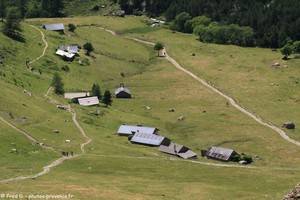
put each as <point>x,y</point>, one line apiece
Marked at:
<point>275,22</point>
<point>266,23</point>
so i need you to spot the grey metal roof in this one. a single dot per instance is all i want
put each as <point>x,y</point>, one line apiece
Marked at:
<point>54,27</point>
<point>188,154</point>
<point>89,101</point>
<point>122,89</point>
<point>172,148</point>
<point>69,48</point>
<point>177,150</point>
<point>220,153</point>
<point>129,129</point>
<point>147,139</point>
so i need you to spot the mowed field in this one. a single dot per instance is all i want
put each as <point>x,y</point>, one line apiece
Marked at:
<point>113,168</point>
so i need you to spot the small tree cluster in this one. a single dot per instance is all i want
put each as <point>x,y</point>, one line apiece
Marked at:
<point>213,32</point>
<point>106,98</point>
<point>225,34</point>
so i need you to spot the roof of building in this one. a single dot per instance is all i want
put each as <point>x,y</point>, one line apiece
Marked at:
<point>89,101</point>
<point>122,89</point>
<point>65,54</point>
<point>74,95</point>
<point>147,139</point>
<point>188,154</point>
<point>130,129</point>
<point>177,150</point>
<point>70,48</point>
<point>220,153</point>
<point>54,27</point>
<point>172,148</point>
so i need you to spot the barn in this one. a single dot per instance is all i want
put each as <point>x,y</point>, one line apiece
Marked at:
<point>88,101</point>
<point>123,92</point>
<point>220,153</point>
<point>54,27</point>
<point>126,130</point>
<point>148,139</point>
<point>177,150</point>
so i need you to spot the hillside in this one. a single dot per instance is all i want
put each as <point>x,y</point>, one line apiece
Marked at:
<point>111,167</point>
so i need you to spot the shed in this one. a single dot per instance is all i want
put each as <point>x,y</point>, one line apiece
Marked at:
<point>54,27</point>
<point>220,153</point>
<point>162,53</point>
<point>148,139</point>
<point>127,130</point>
<point>177,150</point>
<point>75,95</point>
<point>88,101</point>
<point>123,92</point>
<point>65,55</point>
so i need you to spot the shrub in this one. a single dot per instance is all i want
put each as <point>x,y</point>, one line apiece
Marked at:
<point>88,47</point>
<point>72,27</point>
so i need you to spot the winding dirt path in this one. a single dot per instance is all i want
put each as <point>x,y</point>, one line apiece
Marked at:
<point>45,43</point>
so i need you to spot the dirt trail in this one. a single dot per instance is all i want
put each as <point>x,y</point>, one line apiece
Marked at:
<point>258,119</point>
<point>45,43</point>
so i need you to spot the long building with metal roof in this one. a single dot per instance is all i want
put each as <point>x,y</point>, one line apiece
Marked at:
<point>220,153</point>
<point>54,27</point>
<point>127,130</point>
<point>148,139</point>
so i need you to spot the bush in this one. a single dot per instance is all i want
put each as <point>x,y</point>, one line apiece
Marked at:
<point>88,47</point>
<point>72,27</point>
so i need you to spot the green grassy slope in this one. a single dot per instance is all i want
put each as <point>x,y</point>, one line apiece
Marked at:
<point>112,167</point>
<point>242,73</point>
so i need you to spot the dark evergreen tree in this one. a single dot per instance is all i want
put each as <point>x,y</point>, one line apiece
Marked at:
<point>96,91</point>
<point>107,98</point>
<point>58,84</point>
